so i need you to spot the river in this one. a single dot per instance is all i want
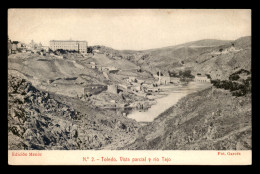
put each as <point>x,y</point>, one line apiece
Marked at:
<point>163,103</point>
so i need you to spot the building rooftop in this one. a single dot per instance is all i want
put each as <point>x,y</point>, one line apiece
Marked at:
<point>201,76</point>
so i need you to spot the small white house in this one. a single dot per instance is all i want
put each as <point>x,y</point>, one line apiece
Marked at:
<point>200,78</point>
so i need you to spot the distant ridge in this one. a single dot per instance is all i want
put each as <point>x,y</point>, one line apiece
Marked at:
<point>202,43</point>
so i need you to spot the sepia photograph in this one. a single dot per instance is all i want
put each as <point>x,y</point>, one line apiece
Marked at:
<point>128,86</point>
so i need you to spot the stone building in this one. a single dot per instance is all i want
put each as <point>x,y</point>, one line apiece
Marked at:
<point>163,80</point>
<point>201,78</point>
<point>70,45</point>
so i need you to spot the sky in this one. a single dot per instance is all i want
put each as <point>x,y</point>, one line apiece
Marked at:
<point>128,29</point>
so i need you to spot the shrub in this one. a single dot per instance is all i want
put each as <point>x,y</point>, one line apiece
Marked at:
<point>61,51</point>
<point>172,73</point>
<point>234,77</point>
<point>241,71</point>
<point>235,86</point>
<point>237,89</point>
<point>208,75</point>
<point>185,74</point>
<point>226,84</point>
<point>215,83</point>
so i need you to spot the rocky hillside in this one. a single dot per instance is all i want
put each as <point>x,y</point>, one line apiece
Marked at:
<point>211,119</point>
<point>217,118</point>
<point>40,120</point>
<point>223,60</point>
<point>215,57</point>
<point>35,121</point>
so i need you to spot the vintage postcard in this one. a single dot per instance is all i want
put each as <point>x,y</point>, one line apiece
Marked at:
<point>129,87</point>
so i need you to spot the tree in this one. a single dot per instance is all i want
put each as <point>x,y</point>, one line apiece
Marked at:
<point>61,51</point>
<point>172,73</point>
<point>89,50</point>
<point>187,73</point>
<point>234,77</point>
<point>158,73</point>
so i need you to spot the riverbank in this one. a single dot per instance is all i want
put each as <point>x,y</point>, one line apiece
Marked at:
<point>211,119</point>
<point>167,99</point>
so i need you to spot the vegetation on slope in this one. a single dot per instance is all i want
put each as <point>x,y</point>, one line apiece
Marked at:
<point>239,83</point>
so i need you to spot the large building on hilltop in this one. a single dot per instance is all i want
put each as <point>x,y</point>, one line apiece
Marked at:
<point>71,45</point>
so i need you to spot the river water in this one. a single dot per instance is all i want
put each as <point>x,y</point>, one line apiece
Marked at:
<point>174,95</point>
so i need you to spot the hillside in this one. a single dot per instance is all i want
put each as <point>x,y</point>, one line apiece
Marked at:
<point>70,76</point>
<point>223,60</point>
<point>58,109</point>
<point>178,57</point>
<point>45,121</point>
<point>201,121</point>
<point>53,74</point>
<point>215,57</point>
<point>199,43</point>
<point>35,121</point>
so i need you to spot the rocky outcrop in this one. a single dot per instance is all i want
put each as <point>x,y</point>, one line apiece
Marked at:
<point>39,121</point>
